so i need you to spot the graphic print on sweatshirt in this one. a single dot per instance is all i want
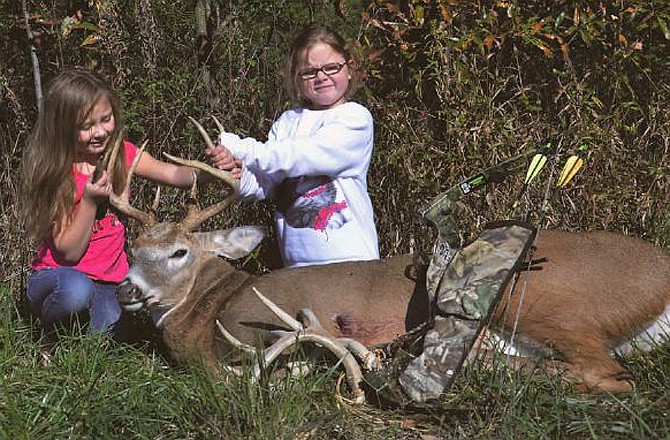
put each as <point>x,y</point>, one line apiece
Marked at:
<point>311,202</point>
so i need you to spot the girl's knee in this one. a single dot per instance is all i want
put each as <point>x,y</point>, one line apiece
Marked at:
<point>77,290</point>
<point>57,293</point>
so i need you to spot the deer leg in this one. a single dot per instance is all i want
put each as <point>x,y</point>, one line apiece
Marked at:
<point>592,367</point>
<point>583,376</point>
<point>586,363</point>
<point>600,374</point>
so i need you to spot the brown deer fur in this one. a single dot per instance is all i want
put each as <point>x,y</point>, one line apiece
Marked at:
<point>595,291</point>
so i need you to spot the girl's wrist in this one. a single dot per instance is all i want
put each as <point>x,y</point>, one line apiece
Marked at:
<point>90,201</point>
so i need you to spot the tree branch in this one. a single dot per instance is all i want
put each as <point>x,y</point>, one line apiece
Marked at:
<point>33,58</point>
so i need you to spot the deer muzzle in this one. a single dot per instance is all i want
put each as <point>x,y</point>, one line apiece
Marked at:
<point>130,296</point>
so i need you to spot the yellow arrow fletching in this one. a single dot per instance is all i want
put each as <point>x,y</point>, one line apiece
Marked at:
<point>535,167</point>
<point>572,165</point>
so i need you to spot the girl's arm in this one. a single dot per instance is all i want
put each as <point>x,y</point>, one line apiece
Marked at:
<point>75,232</point>
<point>341,147</point>
<point>253,185</point>
<point>165,173</point>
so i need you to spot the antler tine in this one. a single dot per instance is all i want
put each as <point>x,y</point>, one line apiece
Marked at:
<point>157,198</point>
<point>121,202</point>
<point>136,160</point>
<point>111,157</point>
<point>233,340</point>
<point>196,217</point>
<point>219,125</point>
<point>370,359</point>
<point>279,313</point>
<point>203,132</point>
<point>215,172</point>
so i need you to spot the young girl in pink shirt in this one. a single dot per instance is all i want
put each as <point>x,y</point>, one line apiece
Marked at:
<point>81,256</point>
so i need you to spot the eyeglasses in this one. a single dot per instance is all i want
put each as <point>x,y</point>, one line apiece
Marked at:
<point>329,69</point>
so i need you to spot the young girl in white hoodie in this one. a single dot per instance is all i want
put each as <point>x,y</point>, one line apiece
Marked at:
<point>315,161</point>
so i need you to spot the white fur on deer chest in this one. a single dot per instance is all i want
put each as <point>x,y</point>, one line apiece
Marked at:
<point>648,338</point>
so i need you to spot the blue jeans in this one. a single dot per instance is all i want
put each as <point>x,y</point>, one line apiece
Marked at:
<point>59,294</point>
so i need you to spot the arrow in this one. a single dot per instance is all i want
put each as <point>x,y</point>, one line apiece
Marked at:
<point>536,165</point>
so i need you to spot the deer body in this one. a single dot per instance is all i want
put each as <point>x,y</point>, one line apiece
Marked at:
<point>594,292</point>
<point>372,302</point>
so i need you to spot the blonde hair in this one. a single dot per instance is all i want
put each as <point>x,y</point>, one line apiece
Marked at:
<point>311,35</point>
<point>47,188</point>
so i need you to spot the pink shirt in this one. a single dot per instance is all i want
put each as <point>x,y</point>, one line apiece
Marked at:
<point>105,258</point>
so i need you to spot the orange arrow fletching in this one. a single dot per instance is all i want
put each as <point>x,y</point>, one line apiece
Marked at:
<point>572,165</point>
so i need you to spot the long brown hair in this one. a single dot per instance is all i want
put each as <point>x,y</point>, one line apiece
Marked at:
<point>47,188</point>
<point>309,36</point>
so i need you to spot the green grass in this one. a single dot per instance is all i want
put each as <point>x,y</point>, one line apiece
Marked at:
<point>98,388</point>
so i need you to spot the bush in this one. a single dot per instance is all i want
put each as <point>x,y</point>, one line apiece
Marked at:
<point>480,83</point>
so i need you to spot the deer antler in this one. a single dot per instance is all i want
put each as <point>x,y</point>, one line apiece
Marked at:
<point>309,321</point>
<point>310,330</point>
<point>196,217</point>
<point>121,202</point>
<point>215,172</point>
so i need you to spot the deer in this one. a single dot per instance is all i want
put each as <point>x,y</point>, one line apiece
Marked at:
<point>588,300</point>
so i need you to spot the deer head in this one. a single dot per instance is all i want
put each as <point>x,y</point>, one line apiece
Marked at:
<point>167,257</point>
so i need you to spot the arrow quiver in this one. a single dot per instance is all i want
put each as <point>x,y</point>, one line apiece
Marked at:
<point>469,291</point>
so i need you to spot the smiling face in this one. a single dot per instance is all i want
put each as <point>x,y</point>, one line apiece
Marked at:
<point>94,132</point>
<point>324,91</point>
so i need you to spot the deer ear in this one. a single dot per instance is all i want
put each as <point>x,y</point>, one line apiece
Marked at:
<point>231,243</point>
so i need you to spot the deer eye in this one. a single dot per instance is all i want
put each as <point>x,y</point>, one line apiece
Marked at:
<point>179,253</point>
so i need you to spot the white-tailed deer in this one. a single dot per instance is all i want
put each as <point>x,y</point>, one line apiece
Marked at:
<point>595,293</point>
<point>196,297</point>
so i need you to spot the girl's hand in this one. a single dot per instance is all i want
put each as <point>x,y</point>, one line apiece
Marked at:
<point>98,192</point>
<point>223,159</point>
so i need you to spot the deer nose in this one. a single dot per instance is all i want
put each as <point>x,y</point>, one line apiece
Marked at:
<point>127,293</point>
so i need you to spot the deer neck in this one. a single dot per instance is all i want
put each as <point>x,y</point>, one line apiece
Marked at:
<point>203,276</point>
<point>214,284</point>
<point>159,314</point>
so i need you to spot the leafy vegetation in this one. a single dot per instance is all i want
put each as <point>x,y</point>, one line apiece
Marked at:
<point>454,87</point>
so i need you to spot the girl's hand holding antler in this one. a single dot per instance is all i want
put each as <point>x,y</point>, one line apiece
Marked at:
<point>97,192</point>
<point>223,159</point>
